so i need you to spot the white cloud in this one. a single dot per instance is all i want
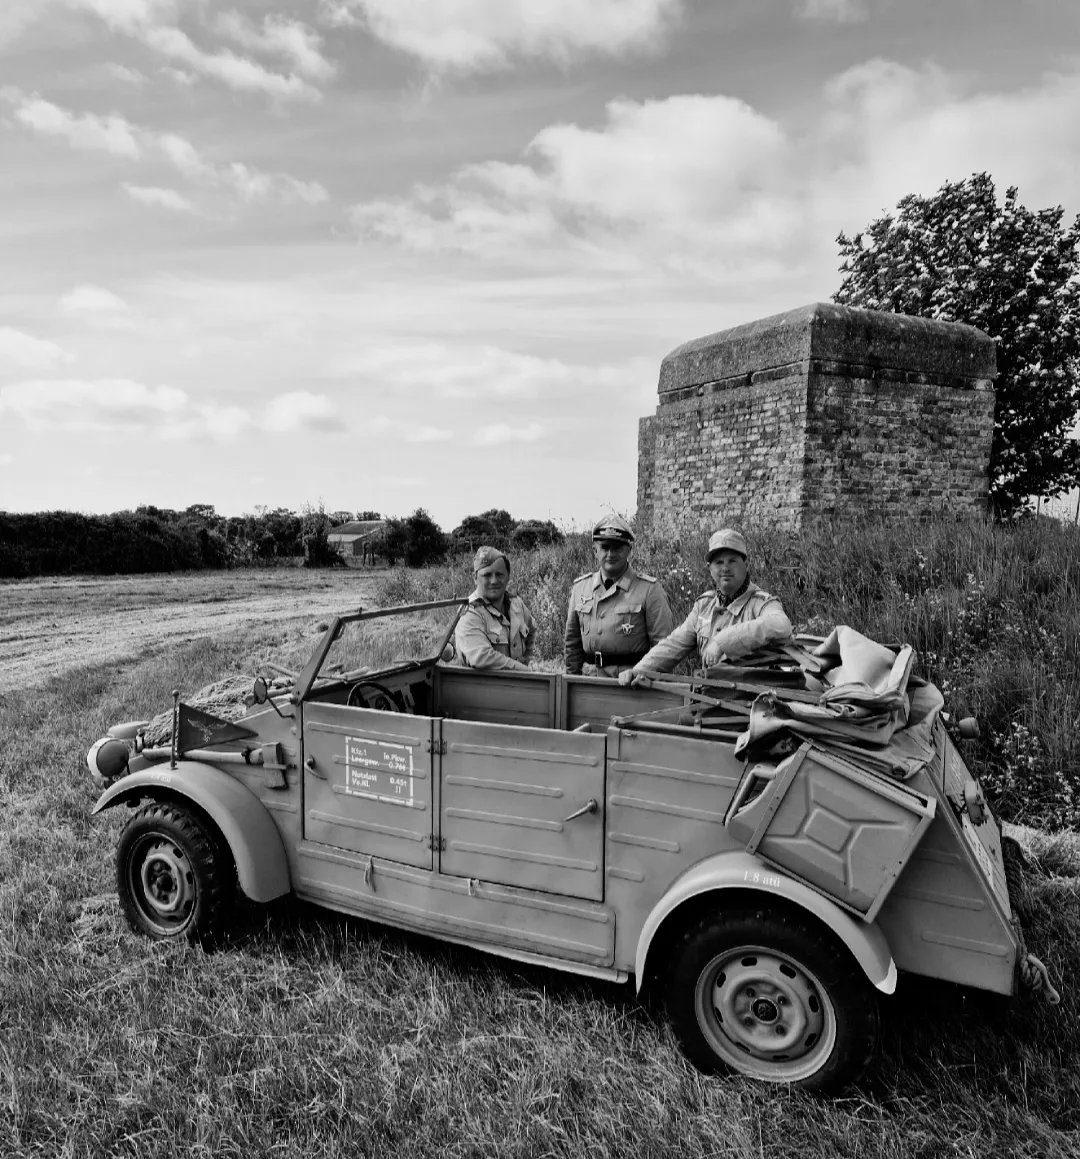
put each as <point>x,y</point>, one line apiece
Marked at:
<point>25,350</point>
<point>91,299</point>
<point>159,412</point>
<point>119,136</point>
<point>888,130</point>
<point>152,23</point>
<point>283,37</point>
<point>836,11</point>
<point>159,198</point>
<point>476,35</point>
<point>469,371</point>
<point>500,434</point>
<point>111,134</point>
<point>179,76</point>
<point>126,75</point>
<point>254,185</point>
<point>89,405</point>
<point>708,188</point>
<point>301,408</point>
<point>668,182</point>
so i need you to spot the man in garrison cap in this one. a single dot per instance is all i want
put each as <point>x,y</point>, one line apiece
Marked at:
<point>616,614</point>
<point>731,620</point>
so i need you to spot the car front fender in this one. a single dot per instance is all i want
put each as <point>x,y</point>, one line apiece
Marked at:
<point>742,871</point>
<point>244,821</point>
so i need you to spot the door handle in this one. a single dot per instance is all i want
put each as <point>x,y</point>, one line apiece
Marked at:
<point>309,764</point>
<point>590,806</point>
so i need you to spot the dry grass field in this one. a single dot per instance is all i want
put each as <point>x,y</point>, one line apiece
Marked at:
<point>314,1035</point>
<point>52,625</point>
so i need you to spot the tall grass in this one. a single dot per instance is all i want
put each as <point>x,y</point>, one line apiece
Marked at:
<point>993,611</point>
<point>311,1035</point>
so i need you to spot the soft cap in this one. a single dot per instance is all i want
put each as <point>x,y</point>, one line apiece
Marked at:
<point>726,540</point>
<point>486,556</point>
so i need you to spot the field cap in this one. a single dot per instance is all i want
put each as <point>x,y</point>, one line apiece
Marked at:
<point>486,556</point>
<point>726,540</point>
<point>612,526</point>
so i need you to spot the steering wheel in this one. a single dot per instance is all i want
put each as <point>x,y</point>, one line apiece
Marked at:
<point>382,699</point>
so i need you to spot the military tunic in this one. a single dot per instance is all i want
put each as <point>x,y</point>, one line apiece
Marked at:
<point>722,632</point>
<point>488,637</point>
<point>611,629</point>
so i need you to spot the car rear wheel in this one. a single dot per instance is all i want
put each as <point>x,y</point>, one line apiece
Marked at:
<point>172,877</point>
<point>771,996</point>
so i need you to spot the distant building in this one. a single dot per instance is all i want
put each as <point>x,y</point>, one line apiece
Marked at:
<point>357,540</point>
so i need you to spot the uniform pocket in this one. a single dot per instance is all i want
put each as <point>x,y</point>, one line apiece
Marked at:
<point>630,625</point>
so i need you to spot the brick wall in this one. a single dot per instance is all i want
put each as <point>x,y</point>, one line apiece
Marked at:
<point>819,410</point>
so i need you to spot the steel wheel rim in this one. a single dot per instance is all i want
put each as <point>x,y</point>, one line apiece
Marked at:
<point>163,882</point>
<point>765,1014</point>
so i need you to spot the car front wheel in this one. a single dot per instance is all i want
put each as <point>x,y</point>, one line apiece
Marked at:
<point>773,997</point>
<point>172,878</point>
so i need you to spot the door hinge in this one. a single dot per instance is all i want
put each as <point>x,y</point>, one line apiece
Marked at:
<point>437,746</point>
<point>434,842</point>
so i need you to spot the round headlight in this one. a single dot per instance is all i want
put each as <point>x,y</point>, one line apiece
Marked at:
<point>108,759</point>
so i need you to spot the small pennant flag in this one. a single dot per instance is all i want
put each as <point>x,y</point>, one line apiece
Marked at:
<point>199,730</point>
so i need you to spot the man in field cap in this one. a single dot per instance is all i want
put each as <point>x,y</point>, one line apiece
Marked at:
<point>730,621</point>
<point>616,614</point>
<point>496,630</point>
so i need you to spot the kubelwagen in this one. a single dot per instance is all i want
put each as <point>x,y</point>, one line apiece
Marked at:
<point>767,850</point>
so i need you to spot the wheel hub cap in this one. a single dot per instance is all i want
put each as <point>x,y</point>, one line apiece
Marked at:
<point>760,1007</point>
<point>166,881</point>
<point>764,1010</point>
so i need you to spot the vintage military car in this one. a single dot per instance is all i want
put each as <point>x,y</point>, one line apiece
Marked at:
<point>768,845</point>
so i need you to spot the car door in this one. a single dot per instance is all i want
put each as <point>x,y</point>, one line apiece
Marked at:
<point>368,782</point>
<point>523,806</point>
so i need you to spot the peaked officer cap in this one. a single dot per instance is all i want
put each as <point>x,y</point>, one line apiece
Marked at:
<point>486,556</point>
<point>726,540</point>
<point>612,526</point>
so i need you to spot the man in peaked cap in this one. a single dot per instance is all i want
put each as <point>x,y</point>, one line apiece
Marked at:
<point>616,614</point>
<point>727,623</point>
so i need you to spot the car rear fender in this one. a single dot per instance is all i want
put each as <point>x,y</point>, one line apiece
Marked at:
<point>741,871</point>
<point>243,820</point>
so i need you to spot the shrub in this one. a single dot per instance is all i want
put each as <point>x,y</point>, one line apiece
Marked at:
<point>993,611</point>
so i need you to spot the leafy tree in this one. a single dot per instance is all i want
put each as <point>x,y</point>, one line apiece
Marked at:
<point>367,516</point>
<point>395,540</point>
<point>959,256</point>
<point>315,529</point>
<point>425,540</point>
<point>417,540</point>
<point>473,531</point>
<point>531,533</point>
<point>503,522</point>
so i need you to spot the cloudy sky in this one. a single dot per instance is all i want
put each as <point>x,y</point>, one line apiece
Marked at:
<point>399,253</point>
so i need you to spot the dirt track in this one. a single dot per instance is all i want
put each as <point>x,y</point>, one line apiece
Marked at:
<point>50,625</point>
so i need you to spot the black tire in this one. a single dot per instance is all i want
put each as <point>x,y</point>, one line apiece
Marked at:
<point>173,878</point>
<point>773,997</point>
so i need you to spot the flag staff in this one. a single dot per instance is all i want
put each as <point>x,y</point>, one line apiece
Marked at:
<point>175,725</point>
